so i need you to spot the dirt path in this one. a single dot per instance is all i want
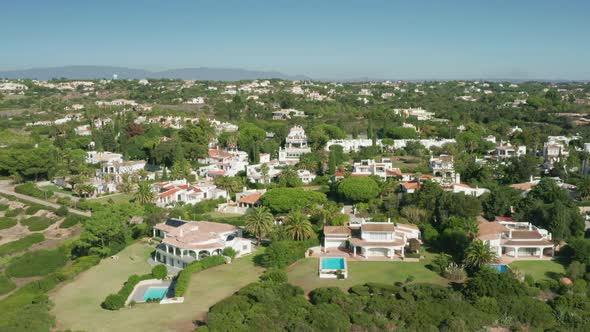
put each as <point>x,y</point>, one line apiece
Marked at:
<point>4,190</point>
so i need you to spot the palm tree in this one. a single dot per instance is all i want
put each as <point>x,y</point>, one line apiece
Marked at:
<point>298,227</point>
<point>479,254</point>
<point>144,194</point>
<point>259,222</point>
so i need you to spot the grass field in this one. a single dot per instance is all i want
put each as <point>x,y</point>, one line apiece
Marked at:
<point>305,274</point>
<point>540,270</point>
<point>117,198</point>
<point>77,304</point>
<point>55,188</point>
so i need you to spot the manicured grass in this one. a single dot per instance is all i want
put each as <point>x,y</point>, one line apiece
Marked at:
<point>37,223</point>
<point>540,270</point>
<point>6,285</point>
<point>117,198</point>
<point>77,304</point>
<point>36,263</point>
<point>305,274</point>
<point>55,188</point>
<point>6,222</point>
<point>20,245</point>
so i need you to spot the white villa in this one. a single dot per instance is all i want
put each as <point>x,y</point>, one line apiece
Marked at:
<point>223,163</point>
<point>295,145</point>
<point>170,193</point>
<point>517,240</point>
<point>372,239</point>
<point>285,114</point>
<point>508,151</point>
<point>186,241</point>
<point>383,169</point>
<point>94,157</point>
<point>415,113</point>
<point>248,198</point>
<point>443,169</point>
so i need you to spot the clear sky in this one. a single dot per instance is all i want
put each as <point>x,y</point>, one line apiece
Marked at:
<point>321,38</point>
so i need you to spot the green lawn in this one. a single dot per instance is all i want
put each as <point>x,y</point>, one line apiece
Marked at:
<point>540,269</point>
<point>117,198</point>
<point>55,188</point>
<point>305,273</point>
<point>77,304</point>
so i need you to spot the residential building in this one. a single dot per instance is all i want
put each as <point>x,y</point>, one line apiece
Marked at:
<point>414,113</point>
<point>223,163</point>
<point>184,242</point>
<point>295,145</point>
<point>383,169</point>
<point>306,176</point>
<point>505,151</point>
<point>286,114</point>
<point>196,101</point>
<point>468,190</point>
<point>372,240</point>
<point>518,240</point>
<point>443,168</point>
<point>180,191</point>
<point>247,199</point>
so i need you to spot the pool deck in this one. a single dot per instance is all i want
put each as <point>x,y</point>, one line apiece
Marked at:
<point>142,287</point>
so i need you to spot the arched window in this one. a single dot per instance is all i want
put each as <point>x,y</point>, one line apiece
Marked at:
<point>203,254</point>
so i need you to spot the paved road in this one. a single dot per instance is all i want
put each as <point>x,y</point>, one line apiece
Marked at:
<point>42,202</point>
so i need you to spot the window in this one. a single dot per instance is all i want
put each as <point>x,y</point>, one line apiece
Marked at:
<point>245,247</point>
<point>378,236</point>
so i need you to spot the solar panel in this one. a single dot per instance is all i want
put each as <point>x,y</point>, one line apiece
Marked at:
<point>175,222</point>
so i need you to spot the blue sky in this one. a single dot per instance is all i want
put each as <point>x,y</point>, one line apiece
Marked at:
<point>323,39</point>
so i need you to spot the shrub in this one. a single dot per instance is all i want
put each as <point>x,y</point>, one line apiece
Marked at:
<point>326,295</point>
<point>274,275</point>
<point>14,213</point>
<point>36,263</point>
<point>6,285</point>
<point>113,302</point>
<point>20,245</point>
<point>454,272</point>
<point>30,189</point>
<point>183,278</point>
<point>3,207</point>
<point>6,222</point>
<point>576,270</point>
<point>62,211</point>
<point>37,223</point>
<point>160,271</point>
<point>229,252</point>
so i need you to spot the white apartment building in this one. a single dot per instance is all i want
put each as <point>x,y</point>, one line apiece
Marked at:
<point>223,163</point>
<point>383,169</point>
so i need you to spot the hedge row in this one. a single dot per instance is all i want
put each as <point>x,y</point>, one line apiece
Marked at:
<point>27,309</point>
<point>7,222</point>
<point>20,245</point>
<point>36,263</point>
<point>30,189</point>
<point>184,276</point>
<point>117,301</point>
<point>281,254</point>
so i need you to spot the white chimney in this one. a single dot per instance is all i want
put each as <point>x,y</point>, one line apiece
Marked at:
<point>457,178</point>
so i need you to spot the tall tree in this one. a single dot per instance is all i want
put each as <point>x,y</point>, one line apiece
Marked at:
<point>259,222</point>
<point>298,227</point>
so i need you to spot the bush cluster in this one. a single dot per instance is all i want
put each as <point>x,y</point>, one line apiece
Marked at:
<point>117,301</point>
<point>71,220</point>
<point>14,213</point>
<point>281,254</point>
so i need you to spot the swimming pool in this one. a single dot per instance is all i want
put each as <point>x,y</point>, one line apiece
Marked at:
<point>333,263</point>
<point>499,267</point>
<point>157,293</point>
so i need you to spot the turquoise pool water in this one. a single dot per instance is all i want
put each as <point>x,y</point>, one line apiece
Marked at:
<point>499,267</point>
<point>333,263</point>
<point>155,293</point>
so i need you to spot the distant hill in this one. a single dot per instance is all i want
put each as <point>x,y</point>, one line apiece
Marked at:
<point>97,72</point>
